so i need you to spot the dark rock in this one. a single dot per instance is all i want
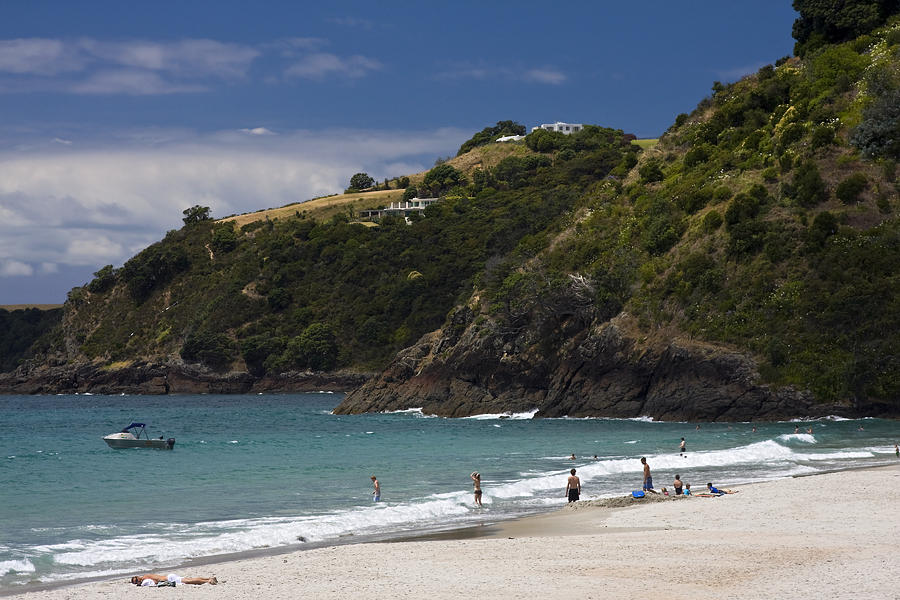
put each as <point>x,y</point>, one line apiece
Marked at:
<point>607,369</point>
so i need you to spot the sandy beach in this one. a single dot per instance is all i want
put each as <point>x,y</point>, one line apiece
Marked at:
<point>833,535</point>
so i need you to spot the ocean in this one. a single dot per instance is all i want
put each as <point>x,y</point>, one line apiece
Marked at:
<point>264,473</point>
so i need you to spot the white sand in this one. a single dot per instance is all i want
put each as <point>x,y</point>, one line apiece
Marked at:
<point>828,536</point>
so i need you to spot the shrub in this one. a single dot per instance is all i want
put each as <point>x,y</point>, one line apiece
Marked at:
<point>711,221</point>
<point>104,279</point>
<point>215,350</point>
<point>849,189</point>
<point>695,156</point>
<point>224,239</point>
<point>822,136</point>
<point>808,188</point>
<point>823,226</point>
<point>650,172</point>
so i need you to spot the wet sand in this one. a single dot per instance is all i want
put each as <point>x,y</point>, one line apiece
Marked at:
<point>831,535</point>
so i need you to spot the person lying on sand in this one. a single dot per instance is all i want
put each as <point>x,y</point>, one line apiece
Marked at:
<point>153,579</point>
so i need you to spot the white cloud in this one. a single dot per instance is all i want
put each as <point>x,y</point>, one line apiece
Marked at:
<point>131,82</point>
<point>259,131</point>
<point>57,140</point>
<point>322,64</point>
<point>38,56</point>
<point>147,67</point>
<point>549,76</point>
<point>482,72</point>
<point>15,268</point>
<point>100,201</point>
<point>191,57</point>
<point>48,268</point>
<point>353,22</point>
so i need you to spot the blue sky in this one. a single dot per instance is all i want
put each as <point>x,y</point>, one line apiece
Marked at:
<point>116,116</point>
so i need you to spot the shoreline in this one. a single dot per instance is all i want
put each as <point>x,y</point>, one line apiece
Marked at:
<point>590,526</point>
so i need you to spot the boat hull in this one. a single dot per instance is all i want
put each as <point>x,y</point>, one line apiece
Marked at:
<point>123,443</point>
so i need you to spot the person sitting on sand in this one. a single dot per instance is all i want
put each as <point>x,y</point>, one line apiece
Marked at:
<point>677,485</point>
<point>665,491</point>
<point>573,487</point>
<point>154,579</point>
<point>687,489</point>
<point>476,478</point>
<point>648,480</point>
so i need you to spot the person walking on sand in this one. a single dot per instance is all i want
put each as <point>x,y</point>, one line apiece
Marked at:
<point>476,479</point>
<point>648,480</point>
<point>573,487</point>
<point>376,493</point>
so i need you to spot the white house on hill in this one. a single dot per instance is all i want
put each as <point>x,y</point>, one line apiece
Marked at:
<point>561,127</point>
<point>402,209</point>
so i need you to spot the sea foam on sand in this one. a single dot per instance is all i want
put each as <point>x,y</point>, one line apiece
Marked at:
<point>833,535</point>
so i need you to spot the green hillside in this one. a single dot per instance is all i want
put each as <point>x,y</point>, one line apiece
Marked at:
<point>765,221</point>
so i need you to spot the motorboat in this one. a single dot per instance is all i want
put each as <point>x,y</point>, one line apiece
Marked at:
<point>136,436</point>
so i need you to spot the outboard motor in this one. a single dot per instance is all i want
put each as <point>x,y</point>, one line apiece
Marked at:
<point>170,443</point>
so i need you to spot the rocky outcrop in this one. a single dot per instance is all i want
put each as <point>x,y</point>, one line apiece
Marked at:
<point>606,369</point>
<point>172,377</point>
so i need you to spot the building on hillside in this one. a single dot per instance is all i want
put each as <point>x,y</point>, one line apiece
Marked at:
<point>399,209</point>
<point>561,127</point>
<point>510,138</point>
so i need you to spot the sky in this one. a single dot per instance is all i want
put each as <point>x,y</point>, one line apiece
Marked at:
<point>116,116</point>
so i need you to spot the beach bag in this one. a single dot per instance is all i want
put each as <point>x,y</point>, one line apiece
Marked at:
<point>637,494</point>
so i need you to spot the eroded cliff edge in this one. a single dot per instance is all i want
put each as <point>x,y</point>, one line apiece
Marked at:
<point>605,369</point>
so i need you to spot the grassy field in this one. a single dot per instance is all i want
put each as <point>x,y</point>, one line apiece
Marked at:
<point>323,209</point>
<point>12,307</point>
<point>646,144</point>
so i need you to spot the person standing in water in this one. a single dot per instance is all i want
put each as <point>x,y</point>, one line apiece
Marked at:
<point>476,479</point>
<point>573,487</point>
<point>376,493</point>
<point>681,448</point>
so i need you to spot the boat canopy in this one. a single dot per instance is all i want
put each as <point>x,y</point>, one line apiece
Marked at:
<point>133,426</point>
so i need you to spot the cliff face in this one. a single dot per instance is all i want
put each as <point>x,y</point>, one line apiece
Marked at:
<point>173,377</point>
<point>605,369</point>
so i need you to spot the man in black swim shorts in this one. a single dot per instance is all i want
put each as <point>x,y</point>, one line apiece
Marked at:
<point>573,487</point>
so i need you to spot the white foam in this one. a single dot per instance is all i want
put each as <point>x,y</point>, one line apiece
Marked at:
<point>416,412</point>
<point>806,438</point>
<point>16,566</point>
<point>506,415</point>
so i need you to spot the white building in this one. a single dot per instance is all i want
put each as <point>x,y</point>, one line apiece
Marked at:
<point>510,138</point>
<point>561,127</point>
<point>403,209</point>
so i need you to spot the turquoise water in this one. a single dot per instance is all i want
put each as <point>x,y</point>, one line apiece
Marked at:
<point>263,471</point>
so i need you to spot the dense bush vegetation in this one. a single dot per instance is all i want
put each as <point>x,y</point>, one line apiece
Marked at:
<point>490,134</point>
<point>18,331</point>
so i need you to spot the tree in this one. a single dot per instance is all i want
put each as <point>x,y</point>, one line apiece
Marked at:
<point>489,134</point>
<point>833,21</point>
<point>361,181</point>
<point>196,214</point>
<point>442,178</point>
